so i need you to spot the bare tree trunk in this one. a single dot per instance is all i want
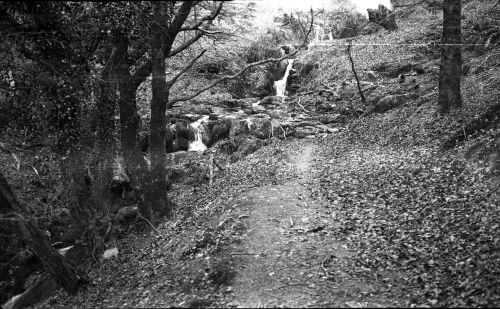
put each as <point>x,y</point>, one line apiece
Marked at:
<point>157,187</point>
<point>451,57</point>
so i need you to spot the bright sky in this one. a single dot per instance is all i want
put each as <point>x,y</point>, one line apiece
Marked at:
<point>267,9</point>
<point>304,5</point>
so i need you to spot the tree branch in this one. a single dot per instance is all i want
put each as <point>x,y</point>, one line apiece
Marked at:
<point>250,65</point>
<point>205,18</point>
<point>188,43</point>
<point>187,67</point>
<point>170,34</point>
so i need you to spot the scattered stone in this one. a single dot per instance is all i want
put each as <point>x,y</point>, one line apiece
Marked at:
<point>110,253</point>
<point>257,109</point>
<point>272,100</point>
<point>387,103</point>
<point>126,213</point>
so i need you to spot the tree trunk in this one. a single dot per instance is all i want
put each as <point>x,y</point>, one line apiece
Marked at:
<point>105,113</point>
<point>57,266</point>
<point>451,57</point>
<point>129,122</point>
<point>157,195</point>
<point>8,201</point>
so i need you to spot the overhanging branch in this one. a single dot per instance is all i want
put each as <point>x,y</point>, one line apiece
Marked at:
<point>187,67</point>
<point>248,66</point>
<point>205,18</point>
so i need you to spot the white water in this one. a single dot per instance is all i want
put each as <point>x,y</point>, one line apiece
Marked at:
<point>280,85</point>
<point>197,144</point>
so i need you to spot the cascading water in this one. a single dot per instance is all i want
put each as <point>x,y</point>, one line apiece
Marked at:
<point>197,144</point>
<point>280,85</point>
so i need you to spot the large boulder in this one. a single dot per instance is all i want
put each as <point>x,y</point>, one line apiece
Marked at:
<point>389,102</point>
<point>247,147</point>
<point>220,130</point>
<point>258,126</point>
<point>181,141</point>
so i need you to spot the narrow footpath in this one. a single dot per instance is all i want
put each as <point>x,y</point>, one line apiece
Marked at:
<point>285,255</point>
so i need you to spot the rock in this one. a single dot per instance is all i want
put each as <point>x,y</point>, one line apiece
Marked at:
<point>249,146</point>
<point>232,103</point>
<point>325,106</point>
<point>248,111</point>
<point>110,253</point>
<point>77,254</point>
<point>202,109</point>
<point>257,109</point>
<point>334,118</point>
<point>272,100</point>
<point>262,116</point>
<point>220,130</point>
<point>180,144</point>
<point>288,49</point>
<point>383,16</point>
<point>303,132</point>
<point>181,141</point>
<point>277,114</point>
<point>175,174</point>
<point>389,102</point>
<point>228,147</point>
<point>213,116</point>
<point>326,129</point>
<point>371,76</point>
<point>176,157</point>
<point>126,213</point>
<point>189,117</point>
<point>259,127</point>
<point>169,139</point>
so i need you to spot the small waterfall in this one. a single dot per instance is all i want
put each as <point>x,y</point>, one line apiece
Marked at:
<point>280,85</point>
<point>197,144</point>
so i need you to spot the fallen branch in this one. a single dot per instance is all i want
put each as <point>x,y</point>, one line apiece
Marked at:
<point>63,273</point>
<point>140,216</point>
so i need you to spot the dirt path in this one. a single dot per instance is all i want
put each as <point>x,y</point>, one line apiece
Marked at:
<point>285,255</point>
